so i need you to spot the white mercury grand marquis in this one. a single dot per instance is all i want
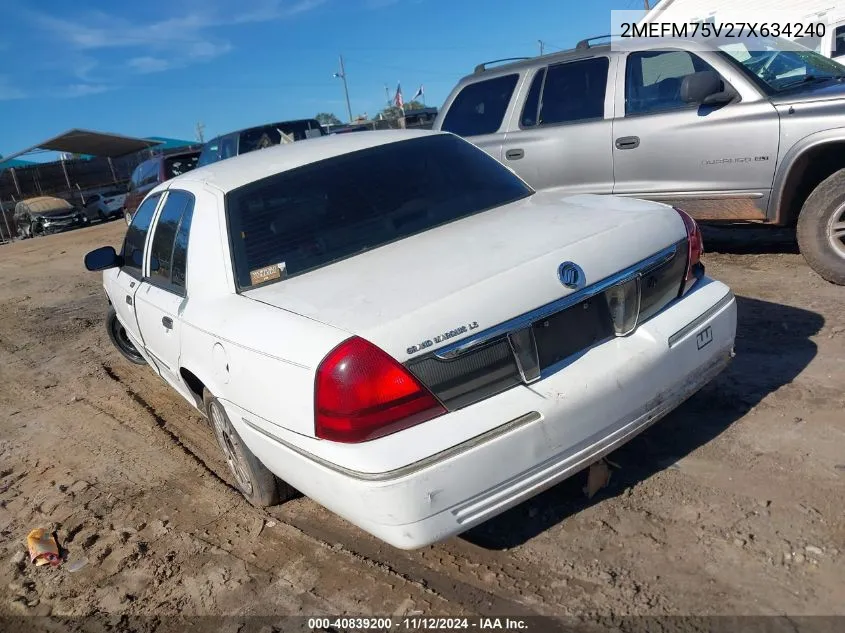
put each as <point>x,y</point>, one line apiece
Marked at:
<point>396,325</point>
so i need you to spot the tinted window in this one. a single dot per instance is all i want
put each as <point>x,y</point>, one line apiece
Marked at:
<point>532,101</point>
<point>653,80</point>
<point>180,248</point>
<point>209,153</point>
<point>161,251</point>
<point>480,107</point>
<point>149,173</point>
<point>228,146</point>
<point>574,91</point>
<point>136,235</point>
<point>308,217</point>
<point>838,41</point>
<point>277,133</point>
<point>178,165</point>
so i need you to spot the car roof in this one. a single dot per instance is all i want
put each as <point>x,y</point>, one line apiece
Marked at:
<point>237,171</point>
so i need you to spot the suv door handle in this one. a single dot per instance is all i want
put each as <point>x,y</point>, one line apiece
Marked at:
<point>628,142</point>
<point>167,322</point>
<point>514,154</point>
<point>129,299</point>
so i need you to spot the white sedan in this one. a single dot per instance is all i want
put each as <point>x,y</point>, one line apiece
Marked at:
<point>396,325</point>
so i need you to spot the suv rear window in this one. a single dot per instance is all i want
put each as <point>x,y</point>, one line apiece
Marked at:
<point>314,215</point>
<point>480,107</point>
<point>178,165</point>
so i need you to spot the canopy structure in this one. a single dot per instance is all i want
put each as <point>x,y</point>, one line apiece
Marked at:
<point>90,143</point>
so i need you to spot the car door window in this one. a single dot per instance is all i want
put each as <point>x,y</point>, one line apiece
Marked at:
<point>567,93</point>
<point>170,241</point>
<point>136,236</point>
<point>653,80</point>
<point>480,107</point>
<point>228,146</point>
<point>838,42</point>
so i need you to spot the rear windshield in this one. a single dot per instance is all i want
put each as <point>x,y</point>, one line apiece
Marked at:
<point>278,133</point>
<point>178,165</point>
<point>314,215</point>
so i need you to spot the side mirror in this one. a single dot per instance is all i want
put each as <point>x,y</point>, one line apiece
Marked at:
<point>103,258</point>
<point>705,87</point>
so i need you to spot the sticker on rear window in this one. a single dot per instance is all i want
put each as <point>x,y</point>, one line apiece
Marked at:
<point>268,273</point>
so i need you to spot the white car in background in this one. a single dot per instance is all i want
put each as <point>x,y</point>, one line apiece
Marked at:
<point>105,206</point>
<point>399,327</point>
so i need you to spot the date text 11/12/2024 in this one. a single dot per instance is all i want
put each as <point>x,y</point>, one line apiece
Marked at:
<point>417,623</point>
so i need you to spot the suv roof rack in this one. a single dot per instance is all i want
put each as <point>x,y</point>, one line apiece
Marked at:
<point>584,44</point>
<point>482,67</point>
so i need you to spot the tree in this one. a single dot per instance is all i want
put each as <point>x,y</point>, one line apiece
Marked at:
<point>327,118</point>
<point>392,112</point>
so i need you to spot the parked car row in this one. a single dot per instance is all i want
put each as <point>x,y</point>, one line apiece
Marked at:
<point>157,170</point>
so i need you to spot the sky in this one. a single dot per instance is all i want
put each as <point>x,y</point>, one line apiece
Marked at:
<point>158,67</point>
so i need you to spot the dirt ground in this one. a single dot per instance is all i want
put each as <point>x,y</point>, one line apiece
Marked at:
<point>732,505</point>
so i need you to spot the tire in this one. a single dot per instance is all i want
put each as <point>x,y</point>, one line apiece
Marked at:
<point>128,217</point>
<point>821,229</point>
<point>257,484</point>
<point>118,337</point>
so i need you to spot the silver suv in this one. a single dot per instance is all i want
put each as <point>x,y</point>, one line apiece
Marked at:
<point>737,131</point>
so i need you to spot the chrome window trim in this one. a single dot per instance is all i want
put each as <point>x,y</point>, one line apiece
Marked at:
<point>525,320</point>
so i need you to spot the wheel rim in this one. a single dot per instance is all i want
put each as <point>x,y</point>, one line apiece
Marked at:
<point>231,446</point>
<point>836,231</point>
<point>123,340</point>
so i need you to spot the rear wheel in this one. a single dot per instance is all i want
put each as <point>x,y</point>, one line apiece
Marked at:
<point>821,229</point>
<point>128,217</point>
<point>257,484</point>
<point>117,334</point>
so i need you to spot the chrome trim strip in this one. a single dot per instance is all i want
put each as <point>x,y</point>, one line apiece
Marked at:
<point>397,473</point>
<point>524,320</point>
<point>689,327</point>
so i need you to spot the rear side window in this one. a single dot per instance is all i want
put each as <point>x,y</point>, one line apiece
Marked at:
<point>314,215</point>
<point>531,109</point>
<point>136,236</point>
<point>574,91</point>
<point>480,107</point>
<point>167,227</point>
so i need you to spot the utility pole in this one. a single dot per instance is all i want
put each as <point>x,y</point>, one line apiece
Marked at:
<point>387,94</point>
<point>647,8</point>
<point>342,75</point>
<point>540,42</point>
<point>200,135</point>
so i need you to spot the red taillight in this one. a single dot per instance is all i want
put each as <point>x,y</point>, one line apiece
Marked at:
<point>695,246</point>
<point>361,393</point>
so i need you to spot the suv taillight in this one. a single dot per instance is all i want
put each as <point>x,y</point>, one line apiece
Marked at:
<point>694,252</point>
<point>361,393</point>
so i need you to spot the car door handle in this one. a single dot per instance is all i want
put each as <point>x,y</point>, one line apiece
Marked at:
<point>628,142</point>
<point>167,322</point>
<point>129,299</point>
<point>514,154</point>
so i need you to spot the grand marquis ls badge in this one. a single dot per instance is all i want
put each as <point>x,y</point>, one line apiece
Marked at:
<point>570,275</point>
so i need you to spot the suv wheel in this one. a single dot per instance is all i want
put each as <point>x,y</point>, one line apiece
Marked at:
<point>821,229</point>
<point>128,217</point>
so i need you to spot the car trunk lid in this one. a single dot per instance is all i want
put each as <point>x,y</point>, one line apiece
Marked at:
<point>439,286</point>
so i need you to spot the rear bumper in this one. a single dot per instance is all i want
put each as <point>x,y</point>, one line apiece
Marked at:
<point>544,433</point>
